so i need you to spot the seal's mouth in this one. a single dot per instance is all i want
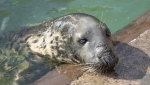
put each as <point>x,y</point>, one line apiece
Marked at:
<point>106,64</point>
<point>106,57</point>
<point>107,61</point>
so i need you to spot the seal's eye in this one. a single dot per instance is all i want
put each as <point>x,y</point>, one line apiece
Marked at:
<point>108,33</point>
<point>82,41</point>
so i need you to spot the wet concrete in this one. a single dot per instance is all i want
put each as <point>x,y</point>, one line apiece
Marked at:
<point>62,75</point>
<point>133,48</point>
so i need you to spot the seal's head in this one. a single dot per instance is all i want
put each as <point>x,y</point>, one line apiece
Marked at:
<point>92,41</point>
<point>78,37</point>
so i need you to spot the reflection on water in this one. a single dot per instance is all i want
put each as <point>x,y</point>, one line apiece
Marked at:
<point>79,9</point>
<point>116,13</point>
<point>17,61</point>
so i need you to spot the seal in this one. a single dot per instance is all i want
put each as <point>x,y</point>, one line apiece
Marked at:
<point>74,38</point>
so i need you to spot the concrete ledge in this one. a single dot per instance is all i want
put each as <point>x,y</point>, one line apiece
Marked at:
<point>133,29</point>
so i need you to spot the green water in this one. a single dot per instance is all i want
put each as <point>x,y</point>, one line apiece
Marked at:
<point>115,13</point>
<point>15,14</point>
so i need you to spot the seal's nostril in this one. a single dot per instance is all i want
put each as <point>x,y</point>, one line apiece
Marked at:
<point>110,60</point>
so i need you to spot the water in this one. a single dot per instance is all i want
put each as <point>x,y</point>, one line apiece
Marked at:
<point>115,13</point>
<point>15,14</point>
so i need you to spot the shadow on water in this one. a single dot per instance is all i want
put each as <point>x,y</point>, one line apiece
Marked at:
<point>133,62</point>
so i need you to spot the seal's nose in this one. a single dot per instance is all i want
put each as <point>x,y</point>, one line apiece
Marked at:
<point>105,54</point>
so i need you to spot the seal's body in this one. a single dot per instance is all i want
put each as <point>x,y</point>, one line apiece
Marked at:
<point>76,37</point>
